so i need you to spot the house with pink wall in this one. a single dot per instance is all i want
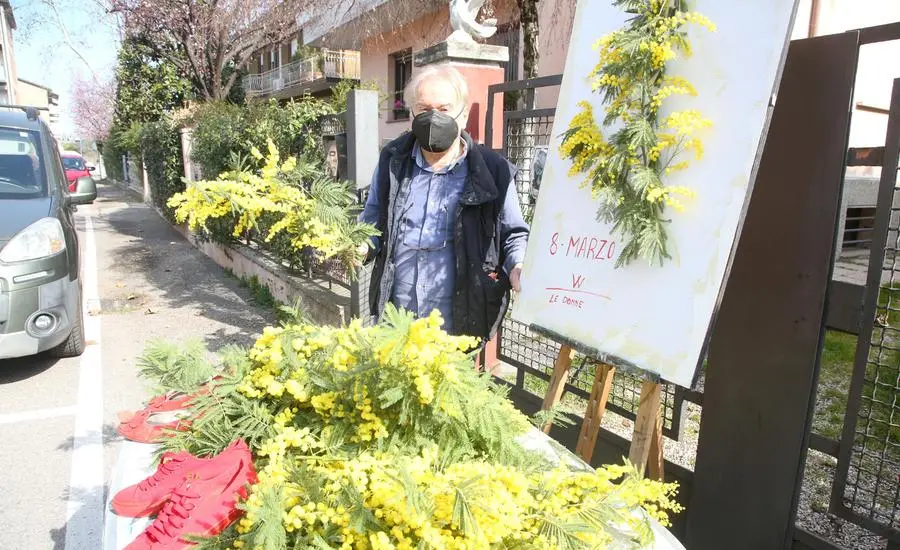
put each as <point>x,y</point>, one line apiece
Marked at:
<point>375,40</point>
<point>387,33</point>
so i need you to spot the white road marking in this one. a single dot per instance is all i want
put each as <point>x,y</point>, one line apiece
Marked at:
<point>39,414</point>
<point>84,513</point>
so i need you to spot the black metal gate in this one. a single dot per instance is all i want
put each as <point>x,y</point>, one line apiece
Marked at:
<point>867,485</point>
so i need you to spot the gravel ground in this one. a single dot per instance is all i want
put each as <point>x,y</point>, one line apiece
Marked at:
<point>812,513</point>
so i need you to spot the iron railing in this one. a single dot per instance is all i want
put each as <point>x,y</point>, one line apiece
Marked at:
<point>336,64</point>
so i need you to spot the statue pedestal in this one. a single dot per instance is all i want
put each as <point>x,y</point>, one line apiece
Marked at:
<point>481,66</point>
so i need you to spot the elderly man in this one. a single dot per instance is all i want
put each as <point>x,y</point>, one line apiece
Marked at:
<point>452,233</point>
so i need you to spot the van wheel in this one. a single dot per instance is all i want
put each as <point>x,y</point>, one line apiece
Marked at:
<point>74,344</point>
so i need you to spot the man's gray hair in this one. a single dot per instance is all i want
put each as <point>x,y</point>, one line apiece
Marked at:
<point>440,71</point>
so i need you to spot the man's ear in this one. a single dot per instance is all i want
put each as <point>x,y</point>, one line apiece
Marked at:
<point>463,118</point>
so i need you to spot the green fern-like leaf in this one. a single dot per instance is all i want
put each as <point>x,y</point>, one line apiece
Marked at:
<point>612,521</point>
<point>176,367</point>
<point>415,496</point>
<point>643,178</point>
<point>641,134</point>
<point>217,542</point>
<point>564,535</point>
<point>555,416</point>
<point>463,518</point>
<point>295,314</point>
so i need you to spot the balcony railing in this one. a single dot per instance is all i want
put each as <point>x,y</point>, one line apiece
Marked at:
<point>339,64</point>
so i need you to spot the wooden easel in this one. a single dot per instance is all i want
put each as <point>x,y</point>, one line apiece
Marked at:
<point>646,443</point>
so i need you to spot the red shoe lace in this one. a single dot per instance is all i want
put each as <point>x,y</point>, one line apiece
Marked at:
<point>171,519</point>
<point>167,466</point>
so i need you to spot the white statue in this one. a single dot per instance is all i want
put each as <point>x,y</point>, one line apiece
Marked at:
<point>462,20</point>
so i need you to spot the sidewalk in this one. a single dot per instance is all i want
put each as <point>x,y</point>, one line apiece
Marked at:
<point>152,284</point>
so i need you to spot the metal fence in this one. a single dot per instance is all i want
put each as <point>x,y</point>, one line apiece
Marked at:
<point>866,488</point>
<point>333,64</point>
<point>525,144</point>
<point>533,356</point>
<point>308,264</point>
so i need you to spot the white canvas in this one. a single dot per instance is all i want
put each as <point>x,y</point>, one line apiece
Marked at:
<point>656,317</point>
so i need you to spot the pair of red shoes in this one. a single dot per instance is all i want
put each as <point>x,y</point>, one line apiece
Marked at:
<point>165,412</point>
<point>190,495</point>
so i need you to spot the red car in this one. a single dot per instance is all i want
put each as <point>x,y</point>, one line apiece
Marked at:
<point>76,167</point>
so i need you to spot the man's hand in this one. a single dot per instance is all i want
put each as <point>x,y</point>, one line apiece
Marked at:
<point>361,252</point>
<point>515,278</point>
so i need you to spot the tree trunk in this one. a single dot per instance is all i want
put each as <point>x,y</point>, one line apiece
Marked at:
<point>528,18</point>
<point>220,92</point>
<point>521,139</point>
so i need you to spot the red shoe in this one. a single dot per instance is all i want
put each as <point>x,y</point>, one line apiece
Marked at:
<point>148,427</point>
<point>174,400</point>
<point>168,402</point>
<point>203,505</point>
<point>171,401</point>
<point>147,497</point>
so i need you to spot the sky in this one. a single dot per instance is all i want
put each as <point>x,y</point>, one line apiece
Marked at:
<point>43,57</point>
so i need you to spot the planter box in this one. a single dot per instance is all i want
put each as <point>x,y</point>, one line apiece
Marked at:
<point>322,302</point>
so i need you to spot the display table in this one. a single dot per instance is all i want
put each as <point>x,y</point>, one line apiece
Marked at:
<point>537,441</point>
<point>135,462</point>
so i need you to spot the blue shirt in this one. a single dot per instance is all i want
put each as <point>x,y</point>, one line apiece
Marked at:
<point>424,257</point>
<point>424,262</point>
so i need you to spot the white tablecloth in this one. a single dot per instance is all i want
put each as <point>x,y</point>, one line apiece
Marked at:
<point>134,463</point>
<point>538,441</point>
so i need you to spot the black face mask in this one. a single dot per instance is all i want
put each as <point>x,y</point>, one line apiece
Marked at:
<point>435,131</point>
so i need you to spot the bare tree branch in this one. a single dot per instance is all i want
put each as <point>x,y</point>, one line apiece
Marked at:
<point>211,35</point>
<point>44,14</point>
<point>93,105</point>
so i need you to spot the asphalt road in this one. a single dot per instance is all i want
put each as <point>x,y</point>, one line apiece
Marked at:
<point>58,417</point>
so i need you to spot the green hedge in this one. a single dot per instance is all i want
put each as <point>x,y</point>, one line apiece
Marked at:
<point>219,130</point>
<point>112,160</point>
<point>122,140</point>
<point>161,148</point>
<point>224,134</point>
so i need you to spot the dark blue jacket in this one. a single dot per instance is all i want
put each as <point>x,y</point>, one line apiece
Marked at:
<point>482,289</point>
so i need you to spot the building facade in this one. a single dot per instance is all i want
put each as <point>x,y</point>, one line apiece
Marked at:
<point>8,73</point>
<point>374,41</point>
<point>879,64</point>
<point>45,99</point>
<point>292,69</point>
<point>387,34</point>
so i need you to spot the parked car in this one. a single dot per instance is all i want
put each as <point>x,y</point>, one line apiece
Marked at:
<point>40,265</point>
<point>76,167</point>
